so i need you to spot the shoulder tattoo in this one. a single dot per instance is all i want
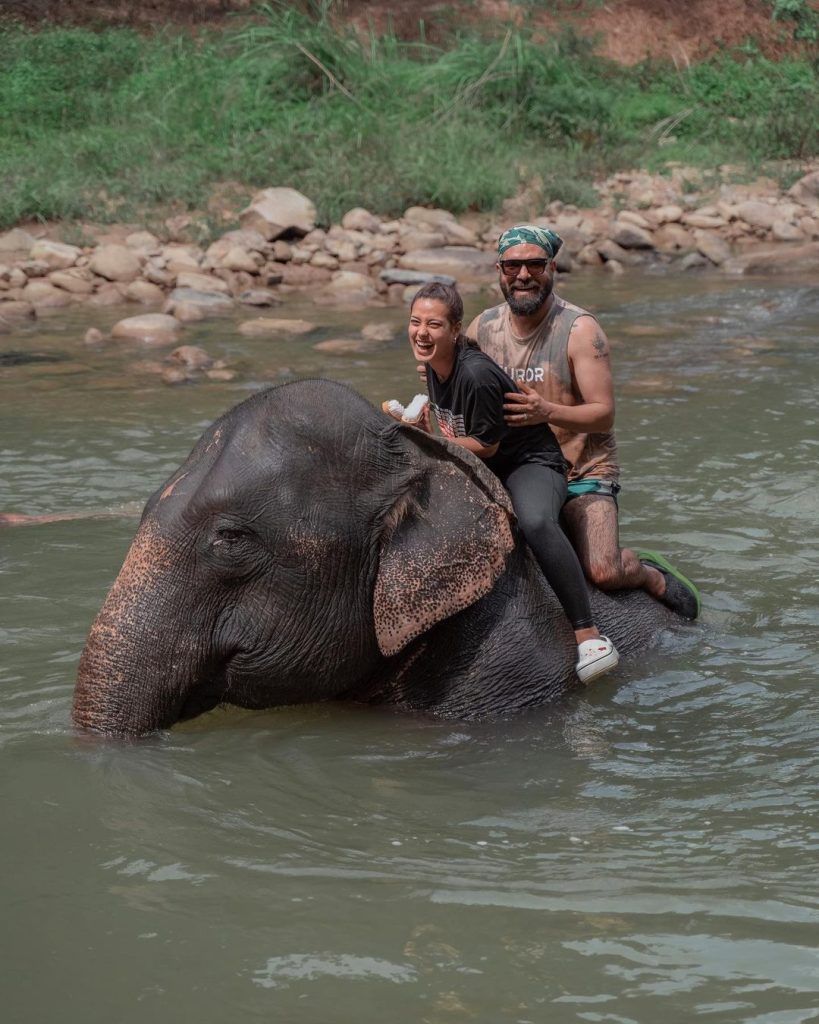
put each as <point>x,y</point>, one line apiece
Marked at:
<point>601,349</point>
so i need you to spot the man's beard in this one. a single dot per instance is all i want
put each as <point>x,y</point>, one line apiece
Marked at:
<point>526,303</point>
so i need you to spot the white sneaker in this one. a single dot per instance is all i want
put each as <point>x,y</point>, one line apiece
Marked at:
<point>594,657</point>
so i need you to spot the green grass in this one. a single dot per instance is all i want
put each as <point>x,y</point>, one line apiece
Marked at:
<point>111,124</point>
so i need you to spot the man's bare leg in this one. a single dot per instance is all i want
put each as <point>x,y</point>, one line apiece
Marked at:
<point>592,524</point>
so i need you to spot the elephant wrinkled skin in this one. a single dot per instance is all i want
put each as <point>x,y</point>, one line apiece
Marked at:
<point>311,548</point>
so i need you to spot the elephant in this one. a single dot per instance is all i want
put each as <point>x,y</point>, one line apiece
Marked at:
<point>311,548</point>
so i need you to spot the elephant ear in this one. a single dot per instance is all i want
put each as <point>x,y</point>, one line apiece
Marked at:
<point>445,542</point>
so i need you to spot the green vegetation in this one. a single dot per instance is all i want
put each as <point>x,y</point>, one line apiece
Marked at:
<point>110,124</point>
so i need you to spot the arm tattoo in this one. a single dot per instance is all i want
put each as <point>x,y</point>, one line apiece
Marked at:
<point>600,347</point>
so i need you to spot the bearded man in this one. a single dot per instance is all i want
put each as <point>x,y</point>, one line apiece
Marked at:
<point>558,355</point>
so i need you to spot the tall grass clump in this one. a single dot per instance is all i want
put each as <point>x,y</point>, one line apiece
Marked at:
<point>105,125</point>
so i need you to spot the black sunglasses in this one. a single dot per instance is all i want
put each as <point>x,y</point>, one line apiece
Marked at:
<point>511,268</point>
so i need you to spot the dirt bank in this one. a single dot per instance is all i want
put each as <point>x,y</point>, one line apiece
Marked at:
<point>627,31</point>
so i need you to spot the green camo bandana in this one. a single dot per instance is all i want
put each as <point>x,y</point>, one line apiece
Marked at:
<point>522,234</point>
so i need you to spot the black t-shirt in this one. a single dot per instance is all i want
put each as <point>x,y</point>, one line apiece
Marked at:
<point>469,403</point>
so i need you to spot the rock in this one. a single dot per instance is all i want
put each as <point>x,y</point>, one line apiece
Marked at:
<point>191,304</point>
<point>239,258</point>
<point>779,259</point>
<point>673,238</point>
<point>757,214</point>
<point>703,220</point>
<point>143,241</point>
<point>191,356</point>
<point>466,265</point>
<point>347,286</point>
<point>359,219</point>
<point>43,295</point>
<point>635,219</point>
<point>668,214</point>
<point>56,255</point>
<point>785,231</point>
<point>344,346</point>
<point>806,191</point>
<point>589,256</point>
<point>274,212</point>
<point>144,292</point>
<point>263,326</point>
<point>711,246</point>
<point>457,234</point>
<point>182,257</point>
<point>378,332</point>
<point>156,275</point>
<point>614,267</point>
<point>109,294</point>
<point>94,336</point>
<point>416,277</point>
<point>324,259</point>
<point>175,375</point>
<point>150,328</point>
<point>282,251</point>
<point>116,263</point>
<point>34,268</point>
<point>693,261</point>
<point>610,250</point>
<point>17,309</point>
<point>201,282</point>
<point>16,240</point>
<point>428,217</point>
<point>304,275</point>
<point>415,239</point>
<point>221,374</point>
<point>258,297</point>
<point>77,280</point>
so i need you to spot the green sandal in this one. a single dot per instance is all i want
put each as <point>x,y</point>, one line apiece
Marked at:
<point>680,594</point>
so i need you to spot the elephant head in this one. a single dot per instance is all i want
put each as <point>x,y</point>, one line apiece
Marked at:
<point>306,543</point>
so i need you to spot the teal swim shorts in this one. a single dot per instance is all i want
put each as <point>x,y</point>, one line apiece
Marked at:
<point>606,488</point>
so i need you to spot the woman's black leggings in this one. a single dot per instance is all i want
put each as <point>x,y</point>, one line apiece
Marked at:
<point>538,493</point>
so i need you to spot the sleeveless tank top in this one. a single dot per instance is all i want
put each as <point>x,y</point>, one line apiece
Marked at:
<point>541,360</point>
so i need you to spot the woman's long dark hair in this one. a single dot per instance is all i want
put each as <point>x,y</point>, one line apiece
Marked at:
<point>451,298</point>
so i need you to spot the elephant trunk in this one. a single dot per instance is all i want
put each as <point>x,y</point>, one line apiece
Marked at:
<point>129,675</point>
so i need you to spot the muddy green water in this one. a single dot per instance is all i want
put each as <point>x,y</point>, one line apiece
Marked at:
<point>648,852</point>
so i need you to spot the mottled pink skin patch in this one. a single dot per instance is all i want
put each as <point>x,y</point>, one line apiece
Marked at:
<point>170,488</point>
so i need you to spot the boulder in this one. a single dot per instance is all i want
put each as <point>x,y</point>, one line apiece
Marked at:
<point>44,295</point>
<point>258,297</point>
<point>16,240</point>
<point>57,255</point>
<point>378,332</point>
<point>347,286</point>
<point>76,280</point>
<point>629,236</point>
<point>786,231</point>
<point>143,241</point>
<point>344,346</point>
<point>201,282</point>
<point>359,219</point>
<point>151,328</point>
<point>191,304</point>
<point>703,220</point>
<point>191,356</point>
<point>467,265</point>
<point>714,248</point>
<point>672,237</point>
<point>263,326</point>
<point>420,238</point>
<point>805,191</point>
<point>631,217</point>
<point>757,214</point>
<point>145,292</point>
<point>413,277</point>
<point>428,217</point>
<point>668,214</point>
<point>274,212</point>
<point>779,259</point>
<point>116,263</point>
<point>17,309</point>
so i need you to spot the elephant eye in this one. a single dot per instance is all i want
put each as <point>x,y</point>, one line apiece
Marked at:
<point>228,535</point>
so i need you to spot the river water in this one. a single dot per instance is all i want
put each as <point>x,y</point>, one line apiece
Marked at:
<point>646,852</point>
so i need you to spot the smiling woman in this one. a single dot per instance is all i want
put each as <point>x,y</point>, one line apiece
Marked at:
<point>466,390</point>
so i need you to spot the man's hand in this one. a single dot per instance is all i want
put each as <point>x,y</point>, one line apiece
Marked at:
<point>422,372</point>
<point>526,407</point>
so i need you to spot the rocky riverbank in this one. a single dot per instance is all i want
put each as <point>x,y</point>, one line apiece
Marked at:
<point>681,220</point>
